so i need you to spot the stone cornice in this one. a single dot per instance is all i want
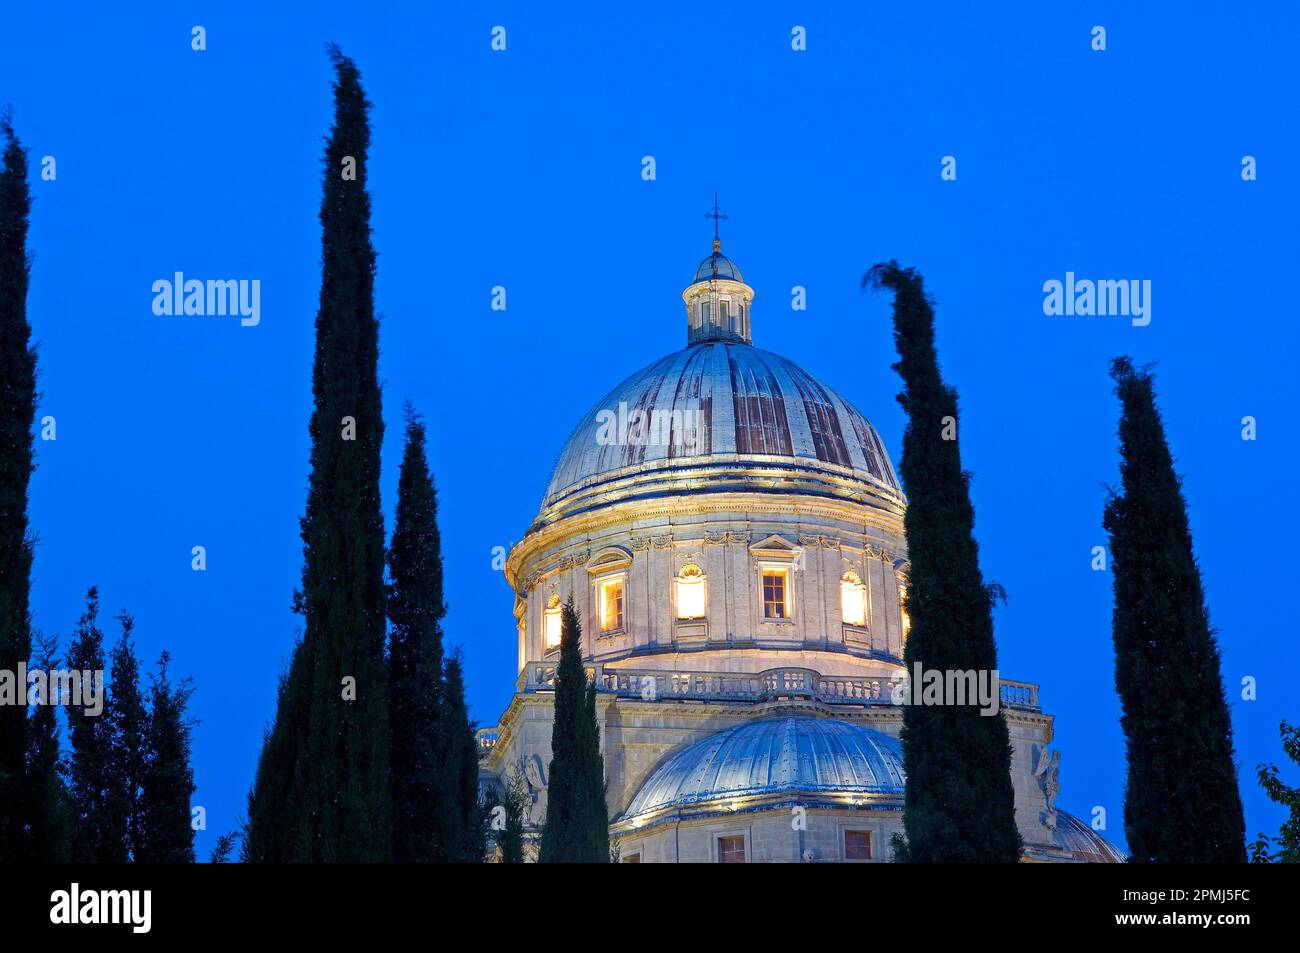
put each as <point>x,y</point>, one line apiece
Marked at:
<point>582,526</point>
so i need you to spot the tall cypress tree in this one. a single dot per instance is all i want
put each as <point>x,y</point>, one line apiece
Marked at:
<point>1181,802</point>
<point>960,803</point>
<point>128,722</point>
<point>577,819</point>
<point>99,823</point>
<point>421,790</point>
<point>462,823</point>
<point>322,788</point>
<point>511,839</point>
<point>17,412</point>
<point>49,813</point>
<point>165,834</point>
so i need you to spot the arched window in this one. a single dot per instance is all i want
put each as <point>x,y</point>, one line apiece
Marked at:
<point>853,599</point>
<point>690,584</point>
<point>551,622</point>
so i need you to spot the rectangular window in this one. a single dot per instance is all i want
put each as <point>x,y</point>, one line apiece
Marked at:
<point>611,606</point>
<point>632,859</point>
<point>552,624</point>
<point>690,593</point>
<point>775,594</point>
<point>857,845</point>
<point>853,602</point>
<point>731,850</point>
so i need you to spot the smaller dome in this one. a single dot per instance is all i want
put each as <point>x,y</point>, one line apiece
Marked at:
<point>1084,843</point>
<point>804,756</point>
<point>718,265</point>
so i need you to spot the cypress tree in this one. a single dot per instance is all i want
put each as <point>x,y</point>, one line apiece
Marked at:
<point>512,834</point>
<point>421,790</point>
<point>1181,802</point>
<point>322,787</point>
<point>17,412</point>
<point>165,833</point>
<point>461,823</point>
<point>223,848</point>
<point>577,819</point>
<point>49,815</point>
<point>960,803</point>
<point>127,721</point>
<point>99,824</point>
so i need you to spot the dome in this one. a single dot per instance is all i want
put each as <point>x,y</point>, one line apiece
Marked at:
<point>1085,844</point>
<point>700,416</point>
<point>815,758</point>
<point>718,265</point>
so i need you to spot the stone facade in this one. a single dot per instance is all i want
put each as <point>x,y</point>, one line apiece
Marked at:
<point>750,565</point>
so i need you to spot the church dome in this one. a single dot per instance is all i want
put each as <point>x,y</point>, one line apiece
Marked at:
<point>1083,843</point>
<point>817,759</point>
<point>704,418</point>
<point>718,266</point>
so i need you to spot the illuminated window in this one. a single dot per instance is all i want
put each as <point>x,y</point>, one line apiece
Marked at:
<point>690,592</point>
<point>551,620</point>
<point>776,594</point>
<point>523,644</point>
<point>731,850</point>
<point>730,316</point>
<point>902,608</point>
<point>857,845</point>
<point>853,599</point>
<point>611,605</point>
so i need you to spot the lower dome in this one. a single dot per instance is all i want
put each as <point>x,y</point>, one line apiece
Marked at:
<point>816,758</point>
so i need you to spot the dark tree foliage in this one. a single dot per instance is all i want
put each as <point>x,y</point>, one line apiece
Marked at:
<point>460,823</point>
<point>960,803</point>
<point>128,723</point>
<point>1181,802</point>
<point>17,412</point>
<point>322,788</point>
<point>224,848</point>
<point>421,790</point>
<point>99,823</point>
<point>577,819</point>
<point>1285,848</point>
<point>511,838</point>
<point>165,834</point>
<point>49,812</point>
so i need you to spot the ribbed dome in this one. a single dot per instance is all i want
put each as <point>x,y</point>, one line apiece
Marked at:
<point>1083,842</point>
<point>721,404</point>
<point>718,265</point>
<point>804,755</point>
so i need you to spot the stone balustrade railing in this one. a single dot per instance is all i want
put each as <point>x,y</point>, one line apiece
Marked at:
<point>773,683</point>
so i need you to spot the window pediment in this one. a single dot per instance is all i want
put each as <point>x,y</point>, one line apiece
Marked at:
<point>776,548</point>
<point>609,559</point>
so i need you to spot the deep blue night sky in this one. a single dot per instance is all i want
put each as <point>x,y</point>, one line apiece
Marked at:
<point>523,169</point>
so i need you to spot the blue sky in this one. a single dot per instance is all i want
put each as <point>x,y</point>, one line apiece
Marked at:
<point>523,168</point>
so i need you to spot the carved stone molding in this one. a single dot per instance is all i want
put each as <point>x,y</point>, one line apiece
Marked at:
<point>724,538</point>
<point>823,542</point>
